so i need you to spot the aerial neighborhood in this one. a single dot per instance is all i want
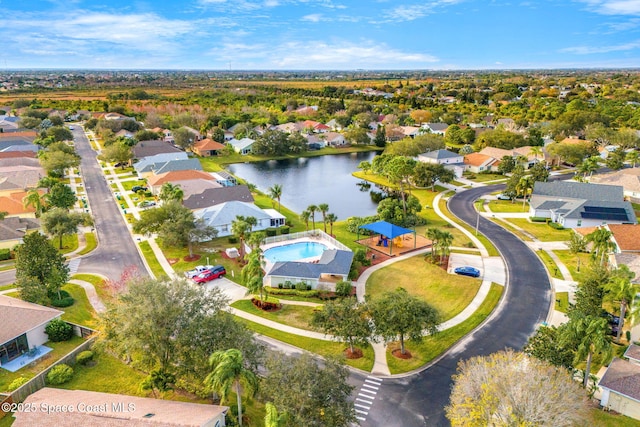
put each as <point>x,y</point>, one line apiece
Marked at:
<point>232,248</point>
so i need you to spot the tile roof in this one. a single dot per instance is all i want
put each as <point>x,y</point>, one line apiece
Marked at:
<point>20,316</point>
<point>180,175</point>
<point>627,236</point>
<point>477,159</point>
<point>95,409</point>
<point>623,378</point>
<point>14,205</point>
<point>30,134</point>
<point>207,145</point>
<point>10,154</point>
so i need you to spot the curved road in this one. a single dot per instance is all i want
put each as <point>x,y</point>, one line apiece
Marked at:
<point>419,400</point>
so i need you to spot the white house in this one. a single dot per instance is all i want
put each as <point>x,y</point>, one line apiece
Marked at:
<point>620,384</point>
<point>23,325</point>
<point>222,216</point>
<point>451,160</point>
<point>578,204</point>
<point>242,146</point>
<point>437,128</point>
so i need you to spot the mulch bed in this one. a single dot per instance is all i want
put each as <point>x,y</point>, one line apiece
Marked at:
<point>398,354</point>
<point>356,354</point>
<point>436,261</point>
<point>265,305</point>
<point>188,258</point>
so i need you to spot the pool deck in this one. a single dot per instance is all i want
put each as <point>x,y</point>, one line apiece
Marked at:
<point>269,265</point>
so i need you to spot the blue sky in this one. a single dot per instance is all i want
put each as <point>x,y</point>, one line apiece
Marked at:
<point>319,34</point>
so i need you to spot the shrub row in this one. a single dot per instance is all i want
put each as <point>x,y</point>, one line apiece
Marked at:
<point>300,293</point>
<point>5,254</point>
<point>555,225</point>
<point>538,219</point>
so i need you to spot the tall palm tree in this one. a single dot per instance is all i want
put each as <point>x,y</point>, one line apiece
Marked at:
<point>170,191</point>
<point>305,216</point>
<point>324,208</point>
<point>228,372</point>
<point>602,244</point>
<point>434,234</point>
<point>536,151</point>
<point>445,241</point>
<point>331,218</point>
<point>240,228</point>
<point>272,418</point>
<point>312,211</point>
<point>524,187</point>
<point>253,274</point>
<point>275,192</point>
<point>590,332</point>
<point>633,157</point>
<point>36,200</point>
<point>622,290</point>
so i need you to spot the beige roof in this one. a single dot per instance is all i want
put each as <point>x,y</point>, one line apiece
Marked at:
<point>499,153</point>
<point>95,409</point>
<point>628,178</point>
<point>627,236</point>
<point>20,316</point>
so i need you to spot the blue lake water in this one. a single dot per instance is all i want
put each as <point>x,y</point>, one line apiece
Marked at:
<point>314,180</point>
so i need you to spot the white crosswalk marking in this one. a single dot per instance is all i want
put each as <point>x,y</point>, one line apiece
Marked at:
<point>74,264</point>
<point>366,397</point>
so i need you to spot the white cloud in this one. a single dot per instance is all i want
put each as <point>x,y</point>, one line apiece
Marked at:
<point>314,17</point>
<point>416,11</point>
<point>613,7</point>
<point>588,50</point>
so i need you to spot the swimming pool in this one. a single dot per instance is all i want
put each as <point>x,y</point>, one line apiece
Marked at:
<point>294,251</point>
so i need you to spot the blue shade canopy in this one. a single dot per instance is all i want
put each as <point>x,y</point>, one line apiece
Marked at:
<point>387,229</point>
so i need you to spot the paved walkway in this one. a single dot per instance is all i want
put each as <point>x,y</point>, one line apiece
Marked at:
<point>92,295</point>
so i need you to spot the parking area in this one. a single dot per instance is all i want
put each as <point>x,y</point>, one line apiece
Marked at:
<point>491,268</point>
<point>232,290</point>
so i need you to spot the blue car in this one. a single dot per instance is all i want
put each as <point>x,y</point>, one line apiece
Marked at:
<point>467,271</point>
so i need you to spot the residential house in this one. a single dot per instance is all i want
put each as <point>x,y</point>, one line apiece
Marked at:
<point>437,128</point>
<point>243,146</point>
<point>12,203</point>
<point>13,230</point>
<point>166,162</point>
<point>626,238</point>
<point>520,152</point>
<point>9,123</point>
<point>322,128</point>
<point>333,266</point>
<point>96,409</point>
<point>11,154</point>
<point>451,160</point>
<point>478,163</point>
<point>411,131</point>
<point>628,178</point>
<point>620,385</point>
<point>207,147</point>
<point>578,204</point>
<point>123,133</point>
<point>23,326</point>
<point>290,127</point>
<point>228,135</point>
<point>197,134</point>
<point>334,125</point>
<point>19,161</point>
<point>180,177</point>
<point>153,147</point>
<point>224,178</point>
<point>222,215</point>
<point>315,141</point>
<point>334,139</point>
<point>17,144</point>
<point>215,196</point>
<point>27,135</point>
<point>168,136</point>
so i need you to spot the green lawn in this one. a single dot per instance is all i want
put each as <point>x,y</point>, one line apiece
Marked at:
<point>59,349</point>
<point>81,312</point>
<point>128,185</point>
<point>7,420</point>
<point>152,261</point>
<point>69,243</point>
<point>570,260</point>
<point>491,249</point>
<point>600,418</point>
<point>91,243</point>
<point>448,293</point>
<point>321,347</point>
<point>484,177</point>
<point>506,206</point>
<point>551,265</point>
<point>562,302</point>
<point>98,282</point>
<point>298,316</point>
<point>507,225</point>
<point>432,346</point>
<point>542,231</point>
<point>7,287</point>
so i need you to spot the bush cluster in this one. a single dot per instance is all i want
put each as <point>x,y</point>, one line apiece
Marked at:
<point>84,357</point>
<point>5,254</point>
<point>17,383</point>
<point>59,330</point>
<point>60,374</point>
<point>300,293</point>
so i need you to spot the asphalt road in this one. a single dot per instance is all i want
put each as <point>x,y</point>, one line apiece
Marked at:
<point>116,250</point>
<point>419,400</point>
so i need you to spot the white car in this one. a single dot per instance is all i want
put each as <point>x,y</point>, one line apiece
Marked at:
<point>503,196</point>
<point>197,270</point>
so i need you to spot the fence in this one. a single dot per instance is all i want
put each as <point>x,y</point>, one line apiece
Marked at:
<point>312,234</point>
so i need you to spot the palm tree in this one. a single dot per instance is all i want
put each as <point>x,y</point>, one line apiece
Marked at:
<point>305,216</point>
<point>272,418</point>
<point>622,290</point>
<point>312,211</point>
<point>590,332</point>
<point>240,228</point>
<point>252,274</point>
<point>633,157</point>
<point>228,372</point>
<point>524,187</point>
<point>275,192</point>
<point>324,208</point>
<point>170,191</point>
<point>434,234</point>
<point>536,150</point>
<point>37,200</point>
<point>445,241</point>
<point>331,218</point>
<point>602,244</point>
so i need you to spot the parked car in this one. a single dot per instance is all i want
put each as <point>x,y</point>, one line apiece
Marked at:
<point>137,188</point>
<point>467,271</point>
<point>209,275</point>
<point>146,204</point>
<point>71,127</point>
<point>612,319</point>
<point>503,196</point>
<point>197,270</point>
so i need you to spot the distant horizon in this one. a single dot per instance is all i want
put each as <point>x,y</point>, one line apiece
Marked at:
<point>321,35</point>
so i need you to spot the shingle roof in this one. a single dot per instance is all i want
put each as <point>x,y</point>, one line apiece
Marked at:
<point>20,316</point>
<point>438,126</point>
<point>226,213</point>
<point>14,228</point>
<point>147,164</point>
<point>628,178</point>
<point>440,154</point>
<point>579,190</point>
<point>633,352</point>
<point>627,236</point>
<point>332,261</point>
<point>216,196</point>
<point>151,148</point>
<point>100,410</point>
<point>17,153</point>
<point>176,165</point>
<point>623,378</point>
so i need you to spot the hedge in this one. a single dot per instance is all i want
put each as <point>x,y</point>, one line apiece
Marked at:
<point>538,219</point>
<point>5,254</point>
<point>308,293</point>
<point>84,357</point>
<point>60,374</point>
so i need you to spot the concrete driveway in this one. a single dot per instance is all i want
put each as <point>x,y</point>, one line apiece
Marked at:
<point>491,268</point>
<point>232,290</point>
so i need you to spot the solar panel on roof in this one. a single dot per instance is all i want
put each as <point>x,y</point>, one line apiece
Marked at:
<point>605,209</point>
<point>604,215</point>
